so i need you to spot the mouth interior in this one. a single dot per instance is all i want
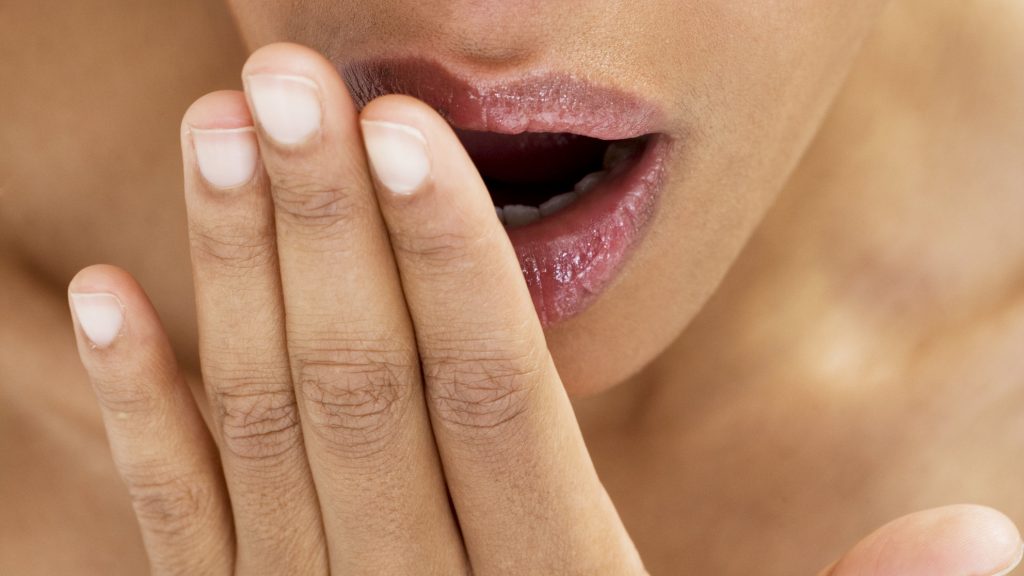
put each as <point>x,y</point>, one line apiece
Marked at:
<point>531,168</point>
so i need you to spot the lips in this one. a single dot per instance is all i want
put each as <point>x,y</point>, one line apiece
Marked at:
<point>574,169</point>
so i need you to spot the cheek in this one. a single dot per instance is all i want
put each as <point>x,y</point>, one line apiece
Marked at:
<point>695,237</point>
<point>748,85</point>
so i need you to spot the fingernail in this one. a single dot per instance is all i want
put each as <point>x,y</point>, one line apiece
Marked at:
<point>1013,564</point>
<point>398,155</point>
<point>100,315</point>
<point>226,158</point>
<point>287,107</point>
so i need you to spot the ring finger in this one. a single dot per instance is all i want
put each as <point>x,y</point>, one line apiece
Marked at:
<point>241,340</point>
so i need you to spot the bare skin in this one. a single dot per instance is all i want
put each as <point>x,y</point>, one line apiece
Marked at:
<point>773,434</point>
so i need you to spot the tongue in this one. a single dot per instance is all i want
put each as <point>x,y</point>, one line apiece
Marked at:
<point>556,160</point>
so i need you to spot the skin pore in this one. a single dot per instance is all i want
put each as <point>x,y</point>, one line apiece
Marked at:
<point>878,299</point>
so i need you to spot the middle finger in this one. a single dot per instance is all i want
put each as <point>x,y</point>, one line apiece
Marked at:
<point>350,339</point>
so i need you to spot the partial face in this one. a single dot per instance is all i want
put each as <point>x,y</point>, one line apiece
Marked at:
<point>733,90</point>
<point>728,92</point>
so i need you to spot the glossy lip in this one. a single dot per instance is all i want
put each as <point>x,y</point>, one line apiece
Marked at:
<point>572,256</point>
<point>540,102</point>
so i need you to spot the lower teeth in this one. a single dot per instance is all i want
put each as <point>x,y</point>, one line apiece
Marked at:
<point>589,181</point>
<point>556,203</point>
<point>515,215</point>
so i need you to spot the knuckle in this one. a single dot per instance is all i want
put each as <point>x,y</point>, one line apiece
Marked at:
<point>316,205</point>
<point>229,247</point>
<point>258,416</point>
<point>167,503</point>
<point>125,393</point>
<point>477,386</point>
<point>437,250</point>
<point>356,396</point>
<point>123,397</point>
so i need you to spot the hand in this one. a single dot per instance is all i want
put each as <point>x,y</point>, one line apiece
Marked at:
<point>320,296</point>
<point>383,399</point>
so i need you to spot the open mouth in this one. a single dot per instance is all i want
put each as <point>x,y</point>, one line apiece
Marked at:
<point>534,175</point>
<point>573,169</point>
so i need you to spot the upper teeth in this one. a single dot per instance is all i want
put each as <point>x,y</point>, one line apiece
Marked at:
<point>618,151</point>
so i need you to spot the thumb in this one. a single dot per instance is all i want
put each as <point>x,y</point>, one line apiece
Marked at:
<point>956,540</point>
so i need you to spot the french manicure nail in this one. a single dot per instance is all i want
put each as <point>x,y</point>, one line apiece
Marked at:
<point>397,154</point>
<point>226,158</point>
<point>101,316</point>
<point>287,107</point>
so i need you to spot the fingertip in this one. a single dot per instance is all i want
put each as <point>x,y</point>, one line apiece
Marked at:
<point>218,141</point>
<point>403,109</point>
<point>99,277</point>
<point>221,110</point>
<point>96,306</point>
<point>297,62</point>
<point>418,115</point>
<point>991,534</point>
<point>451,168</point>
<point>108,304</point>
<point>287,58</point>
<point>953,540</point>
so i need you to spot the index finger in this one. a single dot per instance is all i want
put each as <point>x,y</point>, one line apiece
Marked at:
<point>524,487</point>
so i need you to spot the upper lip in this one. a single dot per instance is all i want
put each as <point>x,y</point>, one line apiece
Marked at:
<point>537,102</point>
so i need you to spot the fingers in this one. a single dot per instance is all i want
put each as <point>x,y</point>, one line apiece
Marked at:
<point>242,342</point>
<point>948,541</point>
<point>350,341</point>
<point>521,479</point>
<point>158,439</point>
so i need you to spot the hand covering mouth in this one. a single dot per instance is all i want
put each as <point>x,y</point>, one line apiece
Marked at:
<point>574,169</point>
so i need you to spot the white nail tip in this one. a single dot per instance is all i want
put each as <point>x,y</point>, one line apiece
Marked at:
<point>226,158</point>
<point>287,107</point>
<point>100,315</point>
<point>397,154</point>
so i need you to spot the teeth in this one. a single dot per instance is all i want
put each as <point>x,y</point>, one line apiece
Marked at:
<point>515,215</point>
<point>618,151</point>
<point>518,215</point>
<point>589,181</point>
<point>556,203</point>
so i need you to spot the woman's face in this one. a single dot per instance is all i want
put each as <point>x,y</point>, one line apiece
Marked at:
<point>739,88</point>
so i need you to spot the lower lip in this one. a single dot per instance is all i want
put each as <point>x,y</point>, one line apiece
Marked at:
<point>572,256</point>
